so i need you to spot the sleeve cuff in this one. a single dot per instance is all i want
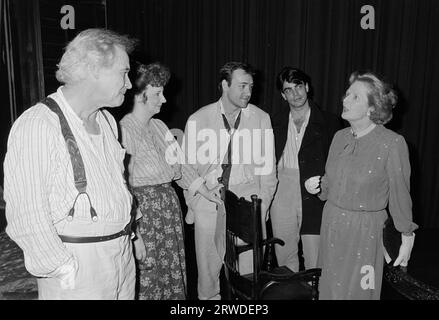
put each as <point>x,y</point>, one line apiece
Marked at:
<point>195,185</point>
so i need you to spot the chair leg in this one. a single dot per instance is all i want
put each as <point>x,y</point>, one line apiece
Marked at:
<point>226,285</point>
<point>228,292</point>
<point>316,288</point>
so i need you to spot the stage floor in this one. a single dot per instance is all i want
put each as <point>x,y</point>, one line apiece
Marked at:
<point>18,284</point>
<point>15,282</point>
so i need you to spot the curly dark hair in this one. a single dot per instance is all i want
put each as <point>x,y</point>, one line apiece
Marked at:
<point>154,74</point>
<point>290,74</point>
<point>381,96</point>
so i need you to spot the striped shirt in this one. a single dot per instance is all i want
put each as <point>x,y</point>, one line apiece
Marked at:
<point>148,164</point>
<point>289,157</point>
<point>40,190</point>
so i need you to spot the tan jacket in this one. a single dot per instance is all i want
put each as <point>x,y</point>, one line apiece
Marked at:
<point>252,173</point>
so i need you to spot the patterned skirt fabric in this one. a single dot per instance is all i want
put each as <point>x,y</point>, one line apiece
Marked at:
<point>163,275</point>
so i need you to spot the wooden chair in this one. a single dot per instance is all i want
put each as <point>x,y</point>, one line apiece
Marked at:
<point>266,282</point>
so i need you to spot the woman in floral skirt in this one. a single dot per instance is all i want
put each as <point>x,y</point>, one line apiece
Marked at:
<point>155,160</point>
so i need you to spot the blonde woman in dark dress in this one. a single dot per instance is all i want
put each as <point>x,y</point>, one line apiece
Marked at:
<point>367,172</point>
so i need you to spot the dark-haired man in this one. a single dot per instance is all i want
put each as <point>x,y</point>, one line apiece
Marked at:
<point>303,134</point>
<point>231,139</point>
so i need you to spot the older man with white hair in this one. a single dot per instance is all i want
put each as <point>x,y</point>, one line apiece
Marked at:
<point>67,204</point>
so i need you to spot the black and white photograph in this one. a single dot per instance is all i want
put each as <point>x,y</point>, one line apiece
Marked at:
<point>248,152</point>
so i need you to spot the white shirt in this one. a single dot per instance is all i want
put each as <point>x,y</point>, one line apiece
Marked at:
<point>290,154</point>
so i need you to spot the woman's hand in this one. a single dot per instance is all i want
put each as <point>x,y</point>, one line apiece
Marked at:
<point>405,250</point>
<point>312,185</point>
<point>139,248</point>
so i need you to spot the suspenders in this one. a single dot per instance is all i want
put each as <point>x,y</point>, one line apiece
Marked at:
<point>75,154</point>
<point>79,177</point>
<point>75,158</point>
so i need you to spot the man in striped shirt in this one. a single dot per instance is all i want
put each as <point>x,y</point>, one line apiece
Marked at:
<point>74,240</point>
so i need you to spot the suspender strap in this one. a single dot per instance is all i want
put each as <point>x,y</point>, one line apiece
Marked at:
<point>79,176</point>
<point>72,146</point>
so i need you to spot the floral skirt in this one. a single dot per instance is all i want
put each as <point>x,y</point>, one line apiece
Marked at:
<point>163,275</point>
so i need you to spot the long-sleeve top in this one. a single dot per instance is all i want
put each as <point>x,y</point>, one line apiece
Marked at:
<point>155,156</point>
<point>370,173</point>
<point>39,184</point>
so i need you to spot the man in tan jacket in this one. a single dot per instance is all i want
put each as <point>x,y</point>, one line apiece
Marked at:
<point>247,165</point>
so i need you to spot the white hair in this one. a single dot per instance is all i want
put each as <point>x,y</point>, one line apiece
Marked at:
<point>91,47</point>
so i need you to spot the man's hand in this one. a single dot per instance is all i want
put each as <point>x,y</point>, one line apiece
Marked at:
<point>67,274</point>
<point>312,185</point>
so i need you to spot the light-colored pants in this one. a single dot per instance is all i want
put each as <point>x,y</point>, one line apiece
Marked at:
<point>286,217</point>
<point>106,272</point>
<point>209,262</point>
<point>310,247</point>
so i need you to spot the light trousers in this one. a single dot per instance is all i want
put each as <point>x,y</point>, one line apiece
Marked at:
<point>310,247</point>
<point>209,262</point>
<point>106,271</point>
<point>286,217</point>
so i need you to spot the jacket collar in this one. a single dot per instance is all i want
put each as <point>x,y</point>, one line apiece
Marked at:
<point>315,125</point>
<point>245,111</point>
<point>316,114</point>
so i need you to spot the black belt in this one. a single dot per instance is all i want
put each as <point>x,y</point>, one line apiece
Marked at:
<point>70,239</point>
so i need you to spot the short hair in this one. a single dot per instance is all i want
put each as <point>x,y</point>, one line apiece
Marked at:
<point>91,47</point>
<point>381,96</point>
<point>226,71</point>
<point>154,74</point>
<point>291,75</point>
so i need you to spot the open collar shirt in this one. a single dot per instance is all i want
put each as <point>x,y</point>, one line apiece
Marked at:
<point>294,141</point>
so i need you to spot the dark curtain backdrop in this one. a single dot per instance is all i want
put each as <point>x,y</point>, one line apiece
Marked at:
<point>324,38</point>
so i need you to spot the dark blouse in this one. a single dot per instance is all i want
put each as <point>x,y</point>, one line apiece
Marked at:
<point>370,173</point>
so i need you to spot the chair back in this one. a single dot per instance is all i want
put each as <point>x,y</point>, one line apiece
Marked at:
<point>244,233</point>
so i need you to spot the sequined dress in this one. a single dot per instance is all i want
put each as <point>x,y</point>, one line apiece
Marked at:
<point>365,178</point>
